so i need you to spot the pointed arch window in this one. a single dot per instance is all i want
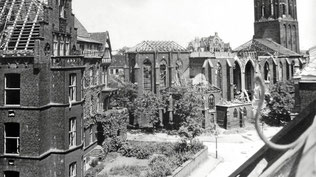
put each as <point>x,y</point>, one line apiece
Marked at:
<point>280,71</point>
<point>266,71</point>
<point>219,76</point>
<point>147,75</point>
<point>211,102</point>
<point>235,113</point>
<point>163,73</point>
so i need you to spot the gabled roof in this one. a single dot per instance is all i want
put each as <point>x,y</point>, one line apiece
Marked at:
<point>157,46</point>
<point>267,45</point>
<point>81,30</point>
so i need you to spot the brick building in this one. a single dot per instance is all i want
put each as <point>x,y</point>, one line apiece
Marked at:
<point>154,65</point>
<point>277,20</point>
<point>117,66</point>
<point>43,101</point>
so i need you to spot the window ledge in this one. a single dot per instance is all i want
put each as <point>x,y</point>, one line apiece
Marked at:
<point>12,155</point>
<point>11,106</point>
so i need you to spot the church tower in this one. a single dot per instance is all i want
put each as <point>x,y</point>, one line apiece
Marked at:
<point>277,20</point>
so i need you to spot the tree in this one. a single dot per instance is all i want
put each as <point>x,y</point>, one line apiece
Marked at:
<point>122,51</point>
<point>279,103</point>
<point>147,105</point>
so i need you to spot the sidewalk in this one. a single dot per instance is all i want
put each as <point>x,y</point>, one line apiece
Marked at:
<point>206,167</point>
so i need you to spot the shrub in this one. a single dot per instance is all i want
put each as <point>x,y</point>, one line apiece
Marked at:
<point>159,166</point>
<point>115,144</point>
<point>196,146</point>
<point>181,146</point>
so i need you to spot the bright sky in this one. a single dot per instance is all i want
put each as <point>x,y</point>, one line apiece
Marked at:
<point>131,21</point>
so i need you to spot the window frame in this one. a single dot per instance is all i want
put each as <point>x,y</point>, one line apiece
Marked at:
<point>91,135</point>
<point>72,87</point>
<point>6,89</point>
<point>73,169</point>
<point>14,138</point>
<point>72,132</point>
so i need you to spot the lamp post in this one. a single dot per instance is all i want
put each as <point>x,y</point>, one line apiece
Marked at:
<point>216,135</point>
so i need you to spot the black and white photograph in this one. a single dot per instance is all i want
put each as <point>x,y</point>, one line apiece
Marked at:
<point>157,88</point>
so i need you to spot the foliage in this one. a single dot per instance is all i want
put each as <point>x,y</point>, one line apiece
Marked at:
<point>159,166</point>
<point>94,162</point>
<point>126,170</point>
<point>279,103</point>
<point>114,144</point>
<point>126,96</point>
<point>148,105</point>
<point>112,121</point>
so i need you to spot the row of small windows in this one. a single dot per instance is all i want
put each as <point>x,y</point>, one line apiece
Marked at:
<point>94,76</point>
<point>72,171</point>
<point>61,45</point>
<point>12,136</point>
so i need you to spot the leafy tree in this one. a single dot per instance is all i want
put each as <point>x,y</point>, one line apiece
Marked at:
<point>148,105</point>
<point>279,103</point>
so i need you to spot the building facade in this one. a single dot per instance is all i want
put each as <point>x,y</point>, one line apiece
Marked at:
<point>155,65</point>
<point>277,20</point>
<point>43,98</point>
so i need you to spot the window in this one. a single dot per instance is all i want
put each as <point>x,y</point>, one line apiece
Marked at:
<point>67,46</point>
<point>55,46</point>
<point>11,174</point>
<point>62,46</point>
<point>163,73</point>
<point>73,170</point>
<point>72,132</point>
<point>91,134</point>
<point>235,113</point>
<point>245,112</point>
<point>219,76</point>
<point>147,75</point>
<point>12,138</point>
<point>72,87</point>
<point>99,104</point>
<point>211,102</point>
<point>12,89</point>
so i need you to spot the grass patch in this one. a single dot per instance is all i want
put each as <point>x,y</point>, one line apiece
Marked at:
<point>127,170</point>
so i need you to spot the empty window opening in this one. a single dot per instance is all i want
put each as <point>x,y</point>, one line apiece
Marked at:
<point>12,89</point>
<point>12,138</point>
<point>72,132</point>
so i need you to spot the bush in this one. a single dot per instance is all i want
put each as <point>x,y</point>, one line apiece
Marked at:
<point>196,146</point>
<point>115,144</point>
<point>159,166</point>
<point>181,146</point>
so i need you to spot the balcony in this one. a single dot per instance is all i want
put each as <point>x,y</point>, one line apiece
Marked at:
<point>65,62</point>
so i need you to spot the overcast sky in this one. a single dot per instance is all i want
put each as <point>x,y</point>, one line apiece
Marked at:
<point>131,21</point>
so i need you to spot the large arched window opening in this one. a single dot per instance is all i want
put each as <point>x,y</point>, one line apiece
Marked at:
<point>237,78</point>
<point>163,73</point>
<point>285,36</point>
<point>274,72</point>
<point>266,71</point>
<point>235,114</point>
<point>211,102</point>
<point>249,76</point>
<point>281,71</point>
<point>219,76</point>
<point>294,47</point>
<point>289,37</point>
<point>147,75</point>
<point>287,67</point>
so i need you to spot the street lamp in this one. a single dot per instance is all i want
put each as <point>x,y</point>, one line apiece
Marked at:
<point>216,136</point>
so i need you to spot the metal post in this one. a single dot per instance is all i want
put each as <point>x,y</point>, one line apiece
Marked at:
<point>216,146</point>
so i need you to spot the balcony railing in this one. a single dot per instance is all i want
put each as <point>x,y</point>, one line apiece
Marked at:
<point>67,62</point>
<point>93,53</point>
